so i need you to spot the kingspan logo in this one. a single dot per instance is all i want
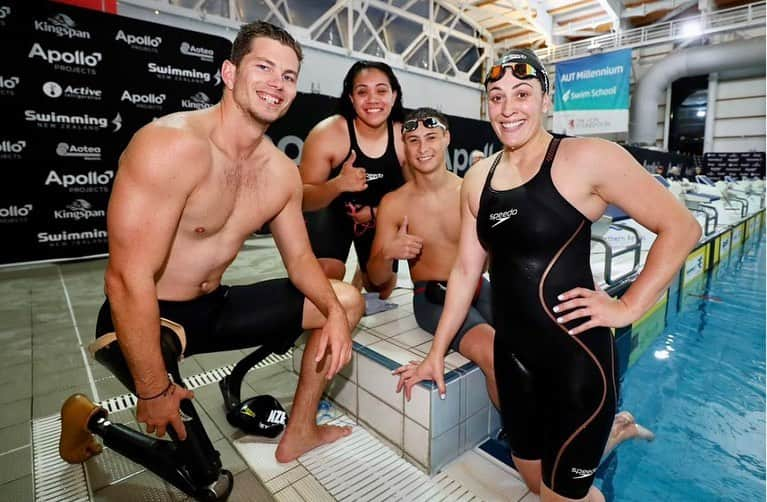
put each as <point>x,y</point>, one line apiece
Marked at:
<point>152,101</point>
<point>61,25</point>
<point>204,54</point>
<point>184,74</point>
<point>78,210</point>
<point>139,42</point>
<point>78,151</point>
<point>54,56</point>
<point>14,213</point>
<point>80,122</point>
<point>9,83</point>
<point>64,237</point>
<point>197,101</point>
<point>91,178</point>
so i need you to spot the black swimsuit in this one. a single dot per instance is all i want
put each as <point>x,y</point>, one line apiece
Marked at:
<point>558,392</point>
<point>332,231</point>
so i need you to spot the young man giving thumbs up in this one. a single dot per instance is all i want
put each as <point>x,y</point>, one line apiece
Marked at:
<point>421,222</point>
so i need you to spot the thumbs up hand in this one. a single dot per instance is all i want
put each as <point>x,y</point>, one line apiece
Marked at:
<point>350,178</point>
<point>404,246</point>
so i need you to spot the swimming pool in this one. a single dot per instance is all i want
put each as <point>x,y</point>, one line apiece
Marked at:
<point>700,387</point>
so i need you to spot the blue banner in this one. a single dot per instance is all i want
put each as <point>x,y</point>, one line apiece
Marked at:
<point>592,94</point>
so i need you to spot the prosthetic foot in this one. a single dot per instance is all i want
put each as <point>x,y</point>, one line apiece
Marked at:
<point>193,465</point>
<point>259,415</point>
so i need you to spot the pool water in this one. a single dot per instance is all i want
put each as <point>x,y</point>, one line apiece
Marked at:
<point>700,387</point>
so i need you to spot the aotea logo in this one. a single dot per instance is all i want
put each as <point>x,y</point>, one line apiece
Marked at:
<point>16,211</point>
<point>139,40</point>
<point>91,178</point>
<point>12,146</point>
<point>84,152</point>
<point>9,83</point>
<point>143,99</point>
<point>53,56</point>
<point>188,49</point>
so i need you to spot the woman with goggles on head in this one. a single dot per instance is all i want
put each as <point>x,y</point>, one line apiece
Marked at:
<point>529,210</point>
<point>349,162</point>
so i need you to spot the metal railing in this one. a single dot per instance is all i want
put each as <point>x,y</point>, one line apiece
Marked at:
<point>736,18</point>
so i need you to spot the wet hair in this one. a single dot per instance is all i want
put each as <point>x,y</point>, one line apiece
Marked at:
<point>345,107</point>
<point>257,29</point>
<point>527,56</point>
<point>426,112</point>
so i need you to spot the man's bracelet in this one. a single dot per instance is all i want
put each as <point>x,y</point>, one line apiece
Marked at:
<point>162,393</point>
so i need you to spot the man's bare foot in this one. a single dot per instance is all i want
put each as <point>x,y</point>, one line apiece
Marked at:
<point>294,444</point>
<point>625,427</point>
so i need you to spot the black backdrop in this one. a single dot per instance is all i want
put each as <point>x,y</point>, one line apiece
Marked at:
<point>737,165</point>
<point>76,84</point>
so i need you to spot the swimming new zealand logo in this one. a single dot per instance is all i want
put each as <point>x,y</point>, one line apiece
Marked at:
<point>168,72</point>
<point>78,151</point>
<point>65,238</point>
<point>53,120</point>
<point>502,216</point>
<point>197,101</point>
<point>61,25</point>
<point>79,209</point>
<point>202,53</point>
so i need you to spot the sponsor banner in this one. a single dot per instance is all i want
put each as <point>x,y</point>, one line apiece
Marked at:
<point>737,237</point>
<point>724,245</point>
<point>589,91</point>
<point>736,165</point>
<point>695,265</point>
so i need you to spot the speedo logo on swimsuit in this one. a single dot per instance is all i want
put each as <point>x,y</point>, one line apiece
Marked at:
<point>582,473</point>
<point>204,54</point>
<point>61,25</point>
<point>502,216</point>
<point>373,176</point>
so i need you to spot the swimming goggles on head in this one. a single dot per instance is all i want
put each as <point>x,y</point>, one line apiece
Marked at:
<point>428,122</point>
<point>522,71</point>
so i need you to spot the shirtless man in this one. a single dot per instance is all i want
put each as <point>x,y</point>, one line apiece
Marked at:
<point>190,189</point>
<point>420,222</point>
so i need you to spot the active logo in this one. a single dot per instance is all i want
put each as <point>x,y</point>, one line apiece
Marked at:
<point>15,214</point>
<point>12,150</point>
<point>49,120</point>
<point>61,25</point>
<point>502,216</point>
<point>65,238</point>
<point>74,62</point>
<point>202,53</point>
<point>78,151</point>
<point>78,210</point>
<point>92,181</point>
<point>197,101</point>
<point>146,43</point>
<point>582,473</point>
<point>169,72</point>
<point>55,90</point>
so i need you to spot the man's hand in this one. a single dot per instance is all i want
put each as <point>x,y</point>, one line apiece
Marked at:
<point>159,412</point>
<point>431,368</point>
<point>404,246</point>
<point>358,213</point>
<point>335,337</point>
<point>350,178</point>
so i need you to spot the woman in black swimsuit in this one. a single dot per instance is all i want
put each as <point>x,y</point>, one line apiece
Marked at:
<point>529,210</point>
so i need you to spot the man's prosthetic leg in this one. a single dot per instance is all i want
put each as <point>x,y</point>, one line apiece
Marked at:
<point>193,465</point>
